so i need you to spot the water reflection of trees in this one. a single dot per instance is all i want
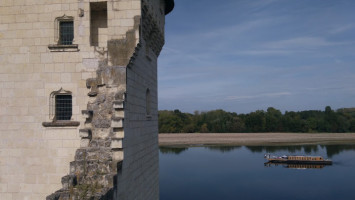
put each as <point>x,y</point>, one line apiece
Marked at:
<point>223,149</point>
<point>337,149</point>
<point>331,149</point>
<point>273,149</point>
<point>172,150</point>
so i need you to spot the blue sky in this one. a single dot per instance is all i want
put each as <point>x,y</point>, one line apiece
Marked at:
<point>247,55</point>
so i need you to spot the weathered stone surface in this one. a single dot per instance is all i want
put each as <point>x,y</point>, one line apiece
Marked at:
<point>84,142</point>
<point>100,143</point>
<point>101,123</point>
<point>92,84</point>
<point>99,154</point>
<point>59,195</point>
<point>69,181</point>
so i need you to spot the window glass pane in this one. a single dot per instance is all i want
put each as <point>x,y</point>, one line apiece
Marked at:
<point>66,32</point>
<point>63,107</point>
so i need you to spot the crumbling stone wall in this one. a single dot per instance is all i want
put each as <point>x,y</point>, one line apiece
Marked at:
<point>97,162</point>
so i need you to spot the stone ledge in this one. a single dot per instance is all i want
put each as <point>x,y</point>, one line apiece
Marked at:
<point>63,48</point>
<point>61,124</point>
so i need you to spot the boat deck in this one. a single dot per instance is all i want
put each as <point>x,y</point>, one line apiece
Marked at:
<point>299,160</point>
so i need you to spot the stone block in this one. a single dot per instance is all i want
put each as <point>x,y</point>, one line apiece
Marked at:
<point>127,22</point>
<point>85,133</point>
<point>117,155</point>
<point>117,133</point>
<point>116,143</point>
<point>87,113</point>
<point>118,104</point>
<point>65,77</point>
<point>117,122</point>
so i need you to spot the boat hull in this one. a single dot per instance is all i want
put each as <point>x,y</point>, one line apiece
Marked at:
<point>323,162</point>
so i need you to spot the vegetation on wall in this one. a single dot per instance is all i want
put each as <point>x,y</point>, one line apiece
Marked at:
<point>271,120</point>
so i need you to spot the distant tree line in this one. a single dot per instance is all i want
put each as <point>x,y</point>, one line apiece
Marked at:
<point>271,120</point>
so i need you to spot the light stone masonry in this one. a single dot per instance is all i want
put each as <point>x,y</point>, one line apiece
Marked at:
<point>110,61</point>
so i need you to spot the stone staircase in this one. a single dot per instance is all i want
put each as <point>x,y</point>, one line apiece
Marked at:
<point>98,161</point>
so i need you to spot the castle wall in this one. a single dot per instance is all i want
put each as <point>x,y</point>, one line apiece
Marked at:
<point>33,158</point>
<point>140,170</point>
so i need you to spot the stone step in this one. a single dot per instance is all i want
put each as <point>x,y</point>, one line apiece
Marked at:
<point>118,114</point>
<point>85,133</point>
<point>118,104</point>
<point>117,133</point>
<point>93,85</point>
<point>87,113</point>
<point>88,125</point>
<point>116,144</point>
<point>117,122</point>
<point>117,155</point>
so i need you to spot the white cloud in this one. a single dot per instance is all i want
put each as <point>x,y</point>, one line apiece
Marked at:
<point>300,42</point>
<point>263,52</point>
<point>234,30</point>
<point>262,3</point>
<point>341,29</point>
<point>258,96</point>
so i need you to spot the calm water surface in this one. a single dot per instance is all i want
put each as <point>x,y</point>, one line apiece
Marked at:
<point>224,173</point>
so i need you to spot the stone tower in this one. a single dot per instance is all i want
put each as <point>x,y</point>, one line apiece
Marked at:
<point>78,98</point>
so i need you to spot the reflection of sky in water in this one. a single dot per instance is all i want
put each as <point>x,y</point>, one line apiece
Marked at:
<point>239,173</point>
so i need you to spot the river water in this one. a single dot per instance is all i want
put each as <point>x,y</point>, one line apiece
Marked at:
<point>223,173</point>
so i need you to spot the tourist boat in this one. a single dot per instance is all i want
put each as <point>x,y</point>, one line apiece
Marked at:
<point>296,166</point>
<point>312,160</point>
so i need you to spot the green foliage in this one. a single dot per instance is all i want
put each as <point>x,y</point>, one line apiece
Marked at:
<point>271,120</point>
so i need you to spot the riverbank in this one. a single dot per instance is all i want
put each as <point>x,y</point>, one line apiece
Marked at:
<point>255,139</point>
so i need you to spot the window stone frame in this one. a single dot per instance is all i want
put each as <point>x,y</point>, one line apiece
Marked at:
<point>57,47</point>
<point>58,123</point>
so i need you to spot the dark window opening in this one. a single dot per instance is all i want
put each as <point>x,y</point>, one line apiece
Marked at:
<point>98,23</point>
<point>147,102</point>
<point>63,107</point>
<point>66,32</point>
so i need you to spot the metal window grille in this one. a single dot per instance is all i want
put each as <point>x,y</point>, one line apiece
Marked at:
<point>66,29</point>
<point>63,107</point>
